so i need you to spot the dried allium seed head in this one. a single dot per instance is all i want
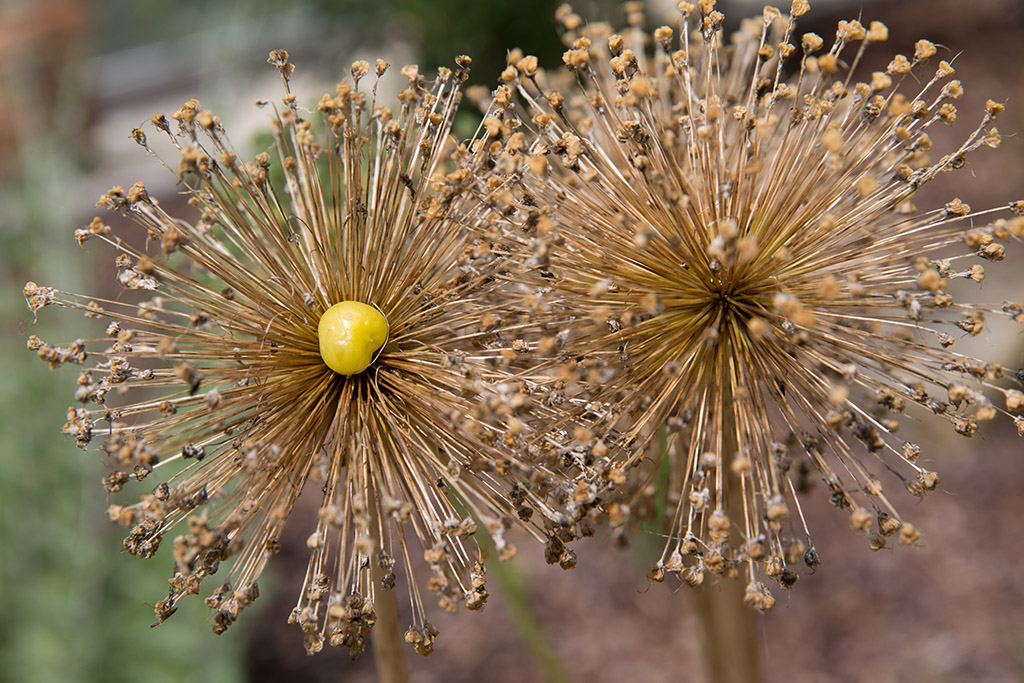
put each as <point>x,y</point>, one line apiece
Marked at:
<point>211,375</point>
<point>802,305</point>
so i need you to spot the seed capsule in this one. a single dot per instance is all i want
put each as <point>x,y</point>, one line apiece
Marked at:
<point>350,334</point>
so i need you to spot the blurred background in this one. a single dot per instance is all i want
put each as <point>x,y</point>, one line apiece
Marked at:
<point>77,75</point>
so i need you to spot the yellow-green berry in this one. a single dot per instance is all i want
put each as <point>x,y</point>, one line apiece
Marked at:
<point>350,334</point>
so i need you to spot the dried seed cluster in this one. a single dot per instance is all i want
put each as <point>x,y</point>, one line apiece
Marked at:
<point>737,286</point>
<point>211,379</point>
<point>669,257</point>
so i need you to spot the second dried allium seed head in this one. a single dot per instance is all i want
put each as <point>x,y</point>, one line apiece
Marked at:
<point>735,283</point>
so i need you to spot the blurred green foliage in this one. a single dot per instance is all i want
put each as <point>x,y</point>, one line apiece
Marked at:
<point>444,28</point>
<point>73,603</point>
<point>75,607</point>
<point>438,29</point>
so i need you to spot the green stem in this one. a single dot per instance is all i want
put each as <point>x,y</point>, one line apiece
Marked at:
<point>512,585</point>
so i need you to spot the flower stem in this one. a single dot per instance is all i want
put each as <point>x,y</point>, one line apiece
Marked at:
<point>386,639</point>
<point>730,639</point>
<point>730,633</point>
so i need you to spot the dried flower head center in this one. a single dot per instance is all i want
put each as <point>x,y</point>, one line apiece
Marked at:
<point>351,333</point>
<point>729,290</point>
<point>731,303</point>
<point>726,280</point>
